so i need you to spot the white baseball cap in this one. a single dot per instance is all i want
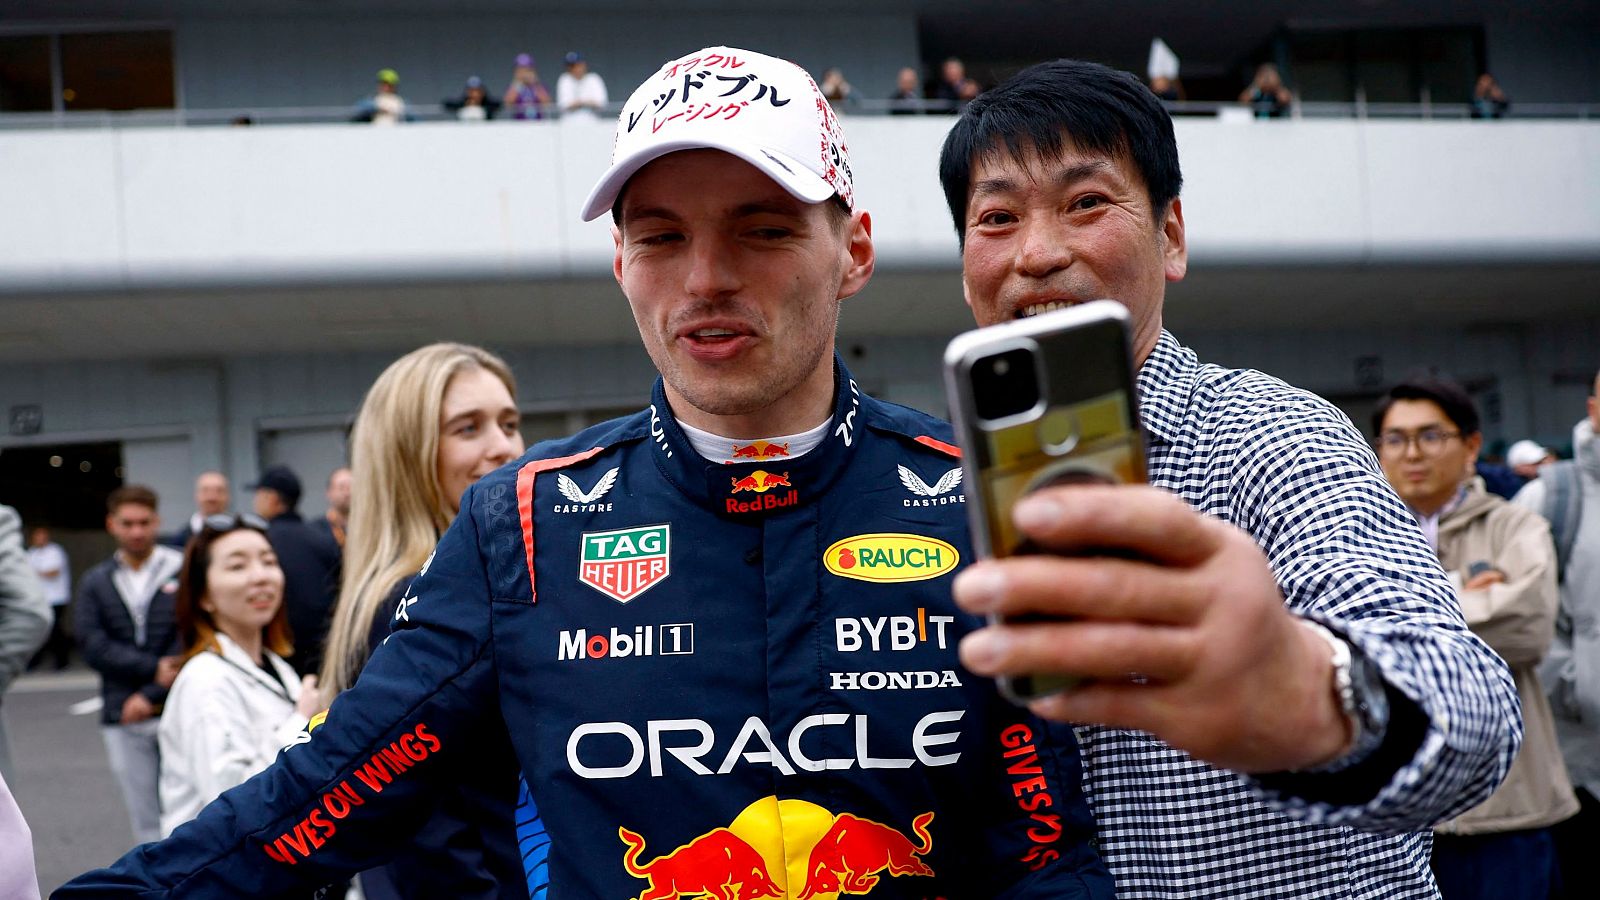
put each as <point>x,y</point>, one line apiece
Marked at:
<point>1526,453</point>
<point>764,110</point>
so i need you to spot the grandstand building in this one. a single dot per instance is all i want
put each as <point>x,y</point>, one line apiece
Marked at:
<point>178,294</point>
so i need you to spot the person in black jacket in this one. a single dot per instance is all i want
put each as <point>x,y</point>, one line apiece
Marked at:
<point>127,631</point>
<point>310,561</point>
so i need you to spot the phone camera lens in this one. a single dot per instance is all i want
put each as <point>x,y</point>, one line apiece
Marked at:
<point>1005,384</point>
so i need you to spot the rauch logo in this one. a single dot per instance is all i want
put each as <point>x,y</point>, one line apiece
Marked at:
<point>890,557</point>
<point>625,563</point>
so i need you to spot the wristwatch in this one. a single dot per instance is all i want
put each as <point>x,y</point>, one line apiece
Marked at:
<point>1360,690</point>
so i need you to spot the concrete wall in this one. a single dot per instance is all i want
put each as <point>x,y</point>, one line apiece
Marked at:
<point>210,207</point>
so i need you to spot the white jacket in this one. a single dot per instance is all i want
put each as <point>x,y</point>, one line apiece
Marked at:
<point>225,720</point>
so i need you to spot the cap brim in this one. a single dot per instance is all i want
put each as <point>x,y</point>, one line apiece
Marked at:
<point>790,174</point>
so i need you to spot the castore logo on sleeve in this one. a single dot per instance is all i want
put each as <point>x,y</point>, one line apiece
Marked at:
<point>939,493</point>
<point>585,501</point>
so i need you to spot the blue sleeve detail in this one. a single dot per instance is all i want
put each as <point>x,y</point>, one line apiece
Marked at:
<point>534,843</point>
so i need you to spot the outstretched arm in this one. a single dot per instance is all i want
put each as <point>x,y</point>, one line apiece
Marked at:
<point>355,785</point>
<point>1207,614</point>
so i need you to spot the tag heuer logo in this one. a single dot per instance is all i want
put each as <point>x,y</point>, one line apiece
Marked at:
<point>625,563</point>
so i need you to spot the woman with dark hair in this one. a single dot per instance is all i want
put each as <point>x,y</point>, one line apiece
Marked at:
<point>235,702</point>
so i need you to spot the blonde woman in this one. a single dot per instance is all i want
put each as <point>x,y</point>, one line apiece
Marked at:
<point>437,420</point>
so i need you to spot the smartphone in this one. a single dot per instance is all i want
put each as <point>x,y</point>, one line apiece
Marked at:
<point>1039,402</point>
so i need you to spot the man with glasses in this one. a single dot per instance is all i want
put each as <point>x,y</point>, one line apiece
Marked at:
<point>1501,563</point>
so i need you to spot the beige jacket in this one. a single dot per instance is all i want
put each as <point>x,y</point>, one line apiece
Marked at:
<point>1517,619</point>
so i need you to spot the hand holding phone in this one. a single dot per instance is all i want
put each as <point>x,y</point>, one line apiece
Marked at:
<point>1040,403</point>
<point>1160,618</point>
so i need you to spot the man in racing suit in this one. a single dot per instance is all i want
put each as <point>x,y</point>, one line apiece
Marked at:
<point>717,635</point>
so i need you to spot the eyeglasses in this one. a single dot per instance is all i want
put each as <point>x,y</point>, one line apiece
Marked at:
<point>1429,441</point>
<point>230,521</point>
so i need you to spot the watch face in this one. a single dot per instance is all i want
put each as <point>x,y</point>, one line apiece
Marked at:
<point>1371,697</point>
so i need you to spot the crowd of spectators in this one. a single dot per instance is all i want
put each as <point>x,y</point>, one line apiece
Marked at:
<point>580,94</point>
<point>1267,96</point>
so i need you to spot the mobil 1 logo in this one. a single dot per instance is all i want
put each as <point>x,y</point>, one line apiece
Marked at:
<point>676,639</point>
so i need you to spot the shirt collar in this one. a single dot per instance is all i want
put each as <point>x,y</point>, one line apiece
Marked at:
<point>746,491</point>
<point>160,555</point>
<point>1430,524</point>
<point>1166,383</point>
<point>733,451</point>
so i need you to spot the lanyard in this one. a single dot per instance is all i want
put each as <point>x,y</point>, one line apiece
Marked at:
<point>276,687</point>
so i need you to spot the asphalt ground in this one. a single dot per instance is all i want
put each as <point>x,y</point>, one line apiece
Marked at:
<point>62,780</point>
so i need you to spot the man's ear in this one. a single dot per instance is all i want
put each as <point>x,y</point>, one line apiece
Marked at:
<point>1175,247</point>
<point>1473,443</point>
<point>616,259</point>
<point>863,257</point>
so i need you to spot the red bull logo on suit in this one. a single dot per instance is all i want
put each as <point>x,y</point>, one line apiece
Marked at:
<point>711,865</point>
<point>760,450</point>
<point>784,849</point>
<point>760,482</point>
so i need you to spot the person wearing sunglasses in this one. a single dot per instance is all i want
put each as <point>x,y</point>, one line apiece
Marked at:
<point>236,702</point>
<point>1502,565</point>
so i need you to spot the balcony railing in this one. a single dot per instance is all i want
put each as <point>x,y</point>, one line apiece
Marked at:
<point>304,115</point>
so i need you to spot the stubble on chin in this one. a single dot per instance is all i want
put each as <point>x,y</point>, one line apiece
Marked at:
<point>730,394</point>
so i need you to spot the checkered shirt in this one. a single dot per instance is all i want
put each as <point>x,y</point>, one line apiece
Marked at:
<point>1289,468</point>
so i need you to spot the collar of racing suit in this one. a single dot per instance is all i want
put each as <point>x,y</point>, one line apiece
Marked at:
<point>772,482</point>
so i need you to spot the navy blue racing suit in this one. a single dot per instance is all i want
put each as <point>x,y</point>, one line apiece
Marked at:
<point>718,680</point>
